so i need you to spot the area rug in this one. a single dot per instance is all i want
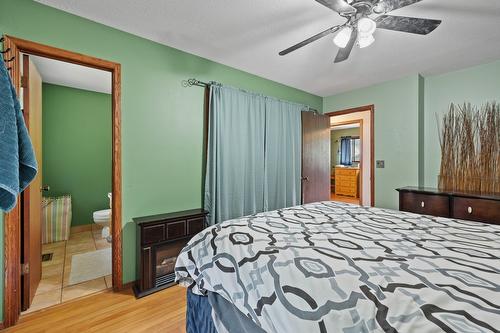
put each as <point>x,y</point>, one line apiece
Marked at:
<point>90,265</point>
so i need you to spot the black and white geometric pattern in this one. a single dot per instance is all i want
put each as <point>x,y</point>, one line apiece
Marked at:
<point>334,267</point>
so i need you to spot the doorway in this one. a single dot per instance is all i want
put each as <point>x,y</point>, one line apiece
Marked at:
<point>22,256</point>
<point>67,209</point>
<point>352,155</point>
<point>346,158</point>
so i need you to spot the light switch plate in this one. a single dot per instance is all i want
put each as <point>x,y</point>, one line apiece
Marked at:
<point>380,164</point>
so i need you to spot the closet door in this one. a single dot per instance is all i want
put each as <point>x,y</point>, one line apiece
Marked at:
<point>315,157</point>
<point>31,237</point>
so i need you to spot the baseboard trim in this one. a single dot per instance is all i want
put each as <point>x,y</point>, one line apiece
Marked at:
<point>125,286</point>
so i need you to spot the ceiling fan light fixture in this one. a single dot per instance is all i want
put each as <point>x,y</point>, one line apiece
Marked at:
<point>366,26</point>
<point>379,8</point>
<point>343,36</point>
<point>365,41</point>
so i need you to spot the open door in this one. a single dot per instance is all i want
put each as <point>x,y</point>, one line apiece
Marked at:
<point>315,157</point>
<point>31,214</point>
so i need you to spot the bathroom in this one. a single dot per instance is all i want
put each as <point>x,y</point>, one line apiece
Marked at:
<point>72,136</point>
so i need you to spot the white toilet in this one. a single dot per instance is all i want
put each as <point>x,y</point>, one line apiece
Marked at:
<point>103,218</point>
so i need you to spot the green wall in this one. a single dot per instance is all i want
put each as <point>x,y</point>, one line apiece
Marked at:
<point>162,122</point>
<point>77,148</point>
<point>477,85</point>
<point>335,143</point>
<point>406,126</point>
<point>396,132</point>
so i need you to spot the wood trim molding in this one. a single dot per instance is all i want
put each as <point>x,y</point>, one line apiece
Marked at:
<point>12,231</point>
<point>128,285</point>
<point>25,196</point>
<point>352,110</point>
<point>55,53</point>
<point>12,226</point>
<point>117,273</point>
<point>370,108</point>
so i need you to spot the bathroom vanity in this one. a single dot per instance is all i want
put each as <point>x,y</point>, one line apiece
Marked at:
<point>160,238</point>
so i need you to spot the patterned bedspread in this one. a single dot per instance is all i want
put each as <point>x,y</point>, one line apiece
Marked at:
<point>333,267</point>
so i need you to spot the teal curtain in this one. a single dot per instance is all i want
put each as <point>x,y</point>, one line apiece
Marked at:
<point>345,150</point>
<point>254,154</point>
<point>234,182</point>
<point>283,160</point>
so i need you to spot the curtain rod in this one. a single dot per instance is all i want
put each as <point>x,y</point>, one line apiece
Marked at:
<point>194,82</point>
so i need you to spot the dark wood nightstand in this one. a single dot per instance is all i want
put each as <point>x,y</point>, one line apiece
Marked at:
<point>459,205</point>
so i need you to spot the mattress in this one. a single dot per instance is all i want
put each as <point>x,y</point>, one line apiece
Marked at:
<point>335,267</point>
<point>199,314</point>
<point>214,314</point>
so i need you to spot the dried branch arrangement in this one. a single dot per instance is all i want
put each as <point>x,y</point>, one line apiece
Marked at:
<point>470,149</point>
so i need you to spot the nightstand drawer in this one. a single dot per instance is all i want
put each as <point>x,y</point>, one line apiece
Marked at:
<point>426,204</point>
<point>474,209</point>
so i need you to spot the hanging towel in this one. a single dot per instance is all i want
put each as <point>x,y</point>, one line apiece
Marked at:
<point>17,159</point>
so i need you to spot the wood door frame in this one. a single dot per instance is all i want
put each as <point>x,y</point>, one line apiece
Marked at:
<point>361,165</point>
<point>25,197</point>
<point>12,236</point>
<point>365,108</point>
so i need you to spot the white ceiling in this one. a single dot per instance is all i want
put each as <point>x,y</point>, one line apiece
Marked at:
<point>248,34</point>
<point>71,75</point>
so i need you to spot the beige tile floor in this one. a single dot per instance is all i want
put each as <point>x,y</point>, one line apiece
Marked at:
<point>53,288</point>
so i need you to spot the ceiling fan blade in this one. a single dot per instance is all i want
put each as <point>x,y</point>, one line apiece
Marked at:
<point>344,53</point>
<point>310,40</point>
<point>390,5</point>
<point>340,6</point>
<point>411,25</point>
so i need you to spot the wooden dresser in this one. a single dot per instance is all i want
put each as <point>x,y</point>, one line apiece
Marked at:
<point>347,182</point>
<point>160,238</point>
<point>465,206</point>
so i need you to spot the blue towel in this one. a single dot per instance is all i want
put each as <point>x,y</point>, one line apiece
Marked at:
<point>17,159</point>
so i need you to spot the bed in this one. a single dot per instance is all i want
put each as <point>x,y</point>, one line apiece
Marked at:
<point>336,267</point>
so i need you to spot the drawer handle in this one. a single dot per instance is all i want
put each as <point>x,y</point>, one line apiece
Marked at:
<point>469,210</point>
<point>422,204</point>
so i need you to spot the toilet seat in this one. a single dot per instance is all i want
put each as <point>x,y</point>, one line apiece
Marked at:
<point>102,215</point>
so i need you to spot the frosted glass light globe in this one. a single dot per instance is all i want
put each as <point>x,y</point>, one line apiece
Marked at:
<point>343,37</point>
<point>366,26</point>
<point>365,41</point>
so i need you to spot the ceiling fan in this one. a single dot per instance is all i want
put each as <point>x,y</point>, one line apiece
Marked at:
<point>360,24</point>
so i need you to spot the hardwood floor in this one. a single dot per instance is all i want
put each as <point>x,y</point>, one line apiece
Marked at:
<point>341,198</point>
<point>110,312</point>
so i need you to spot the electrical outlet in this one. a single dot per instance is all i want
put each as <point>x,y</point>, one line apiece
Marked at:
<point>380,164</point>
